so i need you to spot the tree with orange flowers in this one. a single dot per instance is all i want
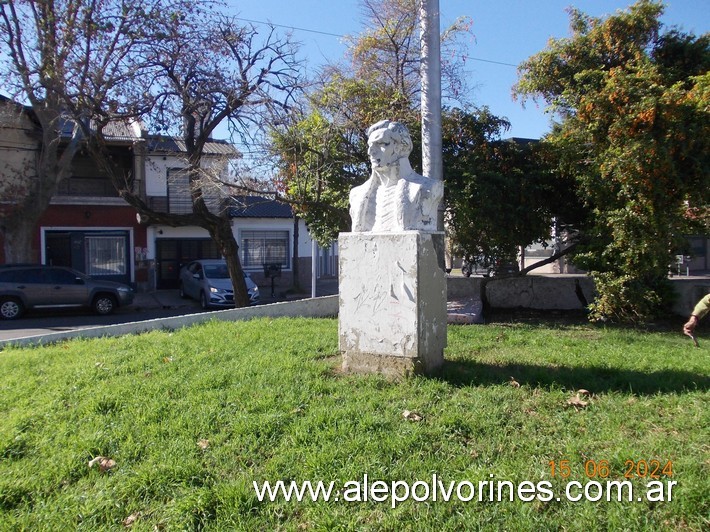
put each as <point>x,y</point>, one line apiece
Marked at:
<point>633,98</point>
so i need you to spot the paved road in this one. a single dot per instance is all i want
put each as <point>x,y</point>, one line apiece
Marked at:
<point>44,322</point>
<point>147,306</point>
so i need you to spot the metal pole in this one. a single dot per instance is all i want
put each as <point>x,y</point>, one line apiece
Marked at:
<point>430,40</point>
<point>314,266</point>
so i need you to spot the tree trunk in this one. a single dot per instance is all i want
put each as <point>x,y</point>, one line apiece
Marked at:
<point>19,237</point>
<point>222,234</point>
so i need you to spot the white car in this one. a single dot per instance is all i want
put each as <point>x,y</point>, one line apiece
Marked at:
<point>208,281</point>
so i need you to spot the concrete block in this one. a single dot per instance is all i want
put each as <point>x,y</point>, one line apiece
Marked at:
<point>392,316</point>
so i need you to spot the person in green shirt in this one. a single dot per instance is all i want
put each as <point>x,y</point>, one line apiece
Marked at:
<point>702,308</point>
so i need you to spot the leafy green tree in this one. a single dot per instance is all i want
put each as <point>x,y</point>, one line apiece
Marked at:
<point>322,150</point>
<point>317,169</point>
<point>501,194</point>
<point>634,134</point>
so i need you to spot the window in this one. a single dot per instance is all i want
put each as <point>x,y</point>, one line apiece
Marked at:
<point>105,255</point>
<point>179,197</point>
<point>57,276</point>
<point>32,276</point>
<point>264,247</point>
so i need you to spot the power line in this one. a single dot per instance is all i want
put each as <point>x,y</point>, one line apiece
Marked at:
<point>307,30</point>
<point>291,27</point>
<point>490,61</point>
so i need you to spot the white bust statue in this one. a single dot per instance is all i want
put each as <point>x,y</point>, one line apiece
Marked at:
<point>395,198</point>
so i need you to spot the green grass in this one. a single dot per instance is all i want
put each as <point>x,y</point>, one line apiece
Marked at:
<point>270,399</point>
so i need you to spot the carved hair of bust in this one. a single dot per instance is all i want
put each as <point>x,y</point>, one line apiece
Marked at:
<point>398,133</point>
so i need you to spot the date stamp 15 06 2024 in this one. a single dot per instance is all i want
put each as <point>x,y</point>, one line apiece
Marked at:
<point>648,469</point>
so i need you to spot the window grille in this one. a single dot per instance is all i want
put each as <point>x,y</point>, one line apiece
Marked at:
<point>105,255</point>
<point>264,247</point>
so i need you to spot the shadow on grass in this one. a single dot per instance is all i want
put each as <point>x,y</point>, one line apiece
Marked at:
<point>594,379</point>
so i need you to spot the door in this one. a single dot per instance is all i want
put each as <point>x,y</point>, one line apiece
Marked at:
<point>65,288</point>
<point>31,282</point>
<point>174,253</point>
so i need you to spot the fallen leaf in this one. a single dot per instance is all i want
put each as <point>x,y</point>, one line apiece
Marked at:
<point>411,416</point>
<point>128,521</point>
<point>514,383</point>
<point>167,360</point>
<point>577,403</point>
<point>203,444</point>
<point>104,463</point>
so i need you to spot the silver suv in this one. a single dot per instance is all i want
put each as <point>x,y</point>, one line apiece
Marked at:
<point>24,287</point>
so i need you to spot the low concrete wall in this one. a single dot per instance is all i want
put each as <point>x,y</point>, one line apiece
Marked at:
<point>562,292</point>
<point>320,307</point>
<point>558,292</point>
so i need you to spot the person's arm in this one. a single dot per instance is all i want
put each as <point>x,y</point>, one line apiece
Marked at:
<point>700,310</point>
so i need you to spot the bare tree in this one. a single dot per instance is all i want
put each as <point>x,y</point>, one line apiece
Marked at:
<point>179,66</point>
<point>209,70</point>
<point>59,55</point>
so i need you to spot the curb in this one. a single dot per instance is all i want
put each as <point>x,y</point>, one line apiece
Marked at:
<point>320,307</point>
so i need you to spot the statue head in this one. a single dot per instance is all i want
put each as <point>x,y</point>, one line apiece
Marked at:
<point>388,142</point>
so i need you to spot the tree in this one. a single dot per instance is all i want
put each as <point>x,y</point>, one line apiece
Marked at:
<point>501,194</point>
<point>634,134</point>
<point>175,65</point>
<point>322,150</point>
<point>58,55</point>
<point>206,70</point>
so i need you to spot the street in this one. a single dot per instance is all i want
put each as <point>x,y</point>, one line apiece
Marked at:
<point>38,322</point>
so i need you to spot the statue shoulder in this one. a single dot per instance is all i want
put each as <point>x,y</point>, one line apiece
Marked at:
<point>361,190</point>
<point>423,182</point>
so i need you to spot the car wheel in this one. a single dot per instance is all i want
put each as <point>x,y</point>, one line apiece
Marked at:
<point>10,308</point>
<point>466,271</point>
<point>182,291</point>
<point>203,301</point>
<point>104,304</point>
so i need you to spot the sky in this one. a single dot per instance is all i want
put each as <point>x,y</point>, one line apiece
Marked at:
<point>504,31</point>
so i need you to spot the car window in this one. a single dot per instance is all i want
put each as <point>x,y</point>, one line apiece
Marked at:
<point>8,277</point>
<point>58,276</point>
<point>193,268</point>
<point>30,275</point>
<point>218,271</point>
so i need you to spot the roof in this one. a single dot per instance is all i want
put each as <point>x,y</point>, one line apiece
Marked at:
<point>162,143</point>
<point>116,131</point>
<point>259,207</point>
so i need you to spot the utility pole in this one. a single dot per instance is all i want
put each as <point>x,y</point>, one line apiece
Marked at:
<point>430,43</point>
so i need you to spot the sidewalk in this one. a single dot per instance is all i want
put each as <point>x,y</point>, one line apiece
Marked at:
<point>170,298</point>
<point>460,310</point>
<point>162,299</point>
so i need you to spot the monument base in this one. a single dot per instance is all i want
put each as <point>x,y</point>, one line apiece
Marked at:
<point>392,316</point>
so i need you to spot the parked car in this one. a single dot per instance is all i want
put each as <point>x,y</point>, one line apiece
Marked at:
<point>489,269</point>
<point>208,281</point>
<point>24,287</point>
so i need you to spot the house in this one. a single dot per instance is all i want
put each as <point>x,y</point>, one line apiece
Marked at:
<point>19,145</point>
<point>271,239</point>
<point>87,226</point>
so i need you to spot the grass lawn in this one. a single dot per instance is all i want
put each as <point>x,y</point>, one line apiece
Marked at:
<point>192,418</point>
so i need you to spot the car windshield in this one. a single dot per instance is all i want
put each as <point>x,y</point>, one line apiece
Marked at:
<point>216,271</point>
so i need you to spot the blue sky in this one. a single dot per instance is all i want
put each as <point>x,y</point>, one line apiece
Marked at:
<point>505,31</point>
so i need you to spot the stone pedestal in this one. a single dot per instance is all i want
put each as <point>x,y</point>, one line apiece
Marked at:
<point>392,317</point>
